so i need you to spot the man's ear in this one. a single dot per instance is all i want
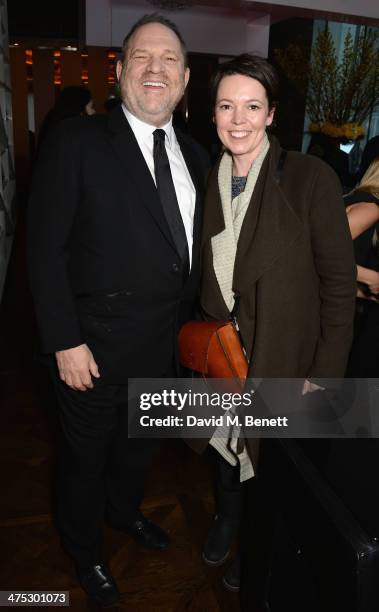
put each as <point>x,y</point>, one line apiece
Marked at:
<point>186,76</point>
<point>118,69</point>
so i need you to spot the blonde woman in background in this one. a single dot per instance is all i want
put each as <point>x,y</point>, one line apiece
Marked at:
<point>363,217</point>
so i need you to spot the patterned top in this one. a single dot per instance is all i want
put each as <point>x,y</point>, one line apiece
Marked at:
<point>238,185</point>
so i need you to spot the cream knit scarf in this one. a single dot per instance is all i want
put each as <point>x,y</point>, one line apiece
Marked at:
<point>224,245</point>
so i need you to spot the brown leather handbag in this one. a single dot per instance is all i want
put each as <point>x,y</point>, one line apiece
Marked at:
<point>214,349</point>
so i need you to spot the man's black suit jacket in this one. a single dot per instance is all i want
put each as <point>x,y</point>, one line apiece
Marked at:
<point>103,267</point>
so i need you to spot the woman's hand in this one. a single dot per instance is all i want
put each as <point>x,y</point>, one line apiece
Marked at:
<point>309,387</point>
<point>373,285</point>
<point>361,294</point>
<point>370,278</point>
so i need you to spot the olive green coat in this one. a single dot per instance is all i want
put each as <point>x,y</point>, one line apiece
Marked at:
<point>294,270</point>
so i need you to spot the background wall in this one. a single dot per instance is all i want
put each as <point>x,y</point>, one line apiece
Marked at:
<point>364,8</point>
<point>7,175</point>
<point>212,30</point>
<point>291,108</point>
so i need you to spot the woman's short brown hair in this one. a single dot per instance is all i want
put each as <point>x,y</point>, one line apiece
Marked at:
<point>254,67</point>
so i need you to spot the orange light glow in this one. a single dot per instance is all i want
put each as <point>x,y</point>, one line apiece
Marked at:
<point>111,67</point>
<point>29,57</point>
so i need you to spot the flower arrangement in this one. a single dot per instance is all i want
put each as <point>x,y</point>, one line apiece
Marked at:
<point>348,131</point>
<point>339,95</point>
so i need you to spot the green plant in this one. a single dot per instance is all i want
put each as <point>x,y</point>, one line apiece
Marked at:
<point>337,94</point>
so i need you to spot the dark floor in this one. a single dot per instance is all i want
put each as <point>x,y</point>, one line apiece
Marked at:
<point>178,493</point>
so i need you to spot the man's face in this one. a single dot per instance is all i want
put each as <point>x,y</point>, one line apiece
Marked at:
<point>153,77</point>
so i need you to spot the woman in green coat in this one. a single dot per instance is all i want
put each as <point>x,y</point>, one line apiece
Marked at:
<point>275,233</point>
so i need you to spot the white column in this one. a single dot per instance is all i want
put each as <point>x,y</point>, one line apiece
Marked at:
<point>258,35</point>
<point>99,23</point>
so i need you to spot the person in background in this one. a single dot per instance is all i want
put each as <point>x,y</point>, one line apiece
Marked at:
<point>275,234</point>
<point>370,152</point>
<point>363,217</point>
<point>73,101</point>
<point>114,236</point>
<point>111,103</point>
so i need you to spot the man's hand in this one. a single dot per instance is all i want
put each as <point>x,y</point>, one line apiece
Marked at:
<point>309,387</point>
<point>75,367</point>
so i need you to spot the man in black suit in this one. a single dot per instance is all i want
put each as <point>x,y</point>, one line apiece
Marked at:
<point>114,229</point>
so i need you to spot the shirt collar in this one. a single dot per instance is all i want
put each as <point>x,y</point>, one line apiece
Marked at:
<point>145,130</point>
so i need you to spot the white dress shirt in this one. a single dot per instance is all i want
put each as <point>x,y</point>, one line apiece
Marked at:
<point>184,188</point>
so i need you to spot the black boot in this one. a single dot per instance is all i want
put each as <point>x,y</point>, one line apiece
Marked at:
<point>220,537</point>
<point>232,577</point>
<point>227,519</point>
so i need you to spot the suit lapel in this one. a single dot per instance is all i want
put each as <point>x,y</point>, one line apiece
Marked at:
<point>189,154</point>
<point>198,182</point>
<point>131,158</point>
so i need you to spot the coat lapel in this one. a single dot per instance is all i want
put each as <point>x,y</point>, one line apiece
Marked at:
<point>130,156</point>
<point>213,224</point>
<point>270,227</point>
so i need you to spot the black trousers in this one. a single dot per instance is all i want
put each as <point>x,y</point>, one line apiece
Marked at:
<point>100,472</point>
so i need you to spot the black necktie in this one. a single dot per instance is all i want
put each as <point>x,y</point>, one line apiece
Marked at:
<point>167,196</point>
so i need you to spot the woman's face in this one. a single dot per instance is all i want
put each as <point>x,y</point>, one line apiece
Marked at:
<point>242,115</point>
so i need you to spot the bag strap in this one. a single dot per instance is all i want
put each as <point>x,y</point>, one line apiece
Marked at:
<point>234,311</point>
